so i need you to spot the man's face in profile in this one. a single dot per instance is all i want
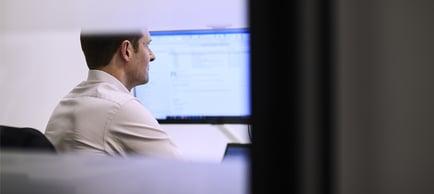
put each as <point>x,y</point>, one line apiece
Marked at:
<point>139,73</point>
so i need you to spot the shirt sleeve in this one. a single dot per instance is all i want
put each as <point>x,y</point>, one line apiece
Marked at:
<point>138,132</point>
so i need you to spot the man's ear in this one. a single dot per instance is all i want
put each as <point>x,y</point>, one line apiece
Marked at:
<point>126,50</point>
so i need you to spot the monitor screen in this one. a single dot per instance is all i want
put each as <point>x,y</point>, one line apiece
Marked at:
<point>237,151</point>
<point>199,76</point>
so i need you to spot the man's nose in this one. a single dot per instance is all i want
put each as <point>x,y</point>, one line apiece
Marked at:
<point>152,56</point>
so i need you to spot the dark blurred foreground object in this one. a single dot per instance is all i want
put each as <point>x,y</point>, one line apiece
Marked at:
<point>73,173</point>
<point>24,139</point>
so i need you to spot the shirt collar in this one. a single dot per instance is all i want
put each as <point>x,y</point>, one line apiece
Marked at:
<point>102,76</point>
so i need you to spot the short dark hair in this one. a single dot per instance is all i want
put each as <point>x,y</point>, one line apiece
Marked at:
<point>99,49</point>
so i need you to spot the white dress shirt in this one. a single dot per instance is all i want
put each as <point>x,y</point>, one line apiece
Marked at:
<point>101,116</point>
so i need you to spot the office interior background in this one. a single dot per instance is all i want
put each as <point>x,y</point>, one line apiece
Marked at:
<point>342,90</point>
<point>43,58</point>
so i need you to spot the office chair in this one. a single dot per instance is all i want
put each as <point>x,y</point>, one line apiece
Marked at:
<point>24,139</point>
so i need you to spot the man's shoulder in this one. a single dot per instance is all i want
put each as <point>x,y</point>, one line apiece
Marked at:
<point>133,109</point>
<point>101,91</point>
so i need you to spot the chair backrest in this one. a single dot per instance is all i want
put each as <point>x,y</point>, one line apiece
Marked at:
<point>24,139</point>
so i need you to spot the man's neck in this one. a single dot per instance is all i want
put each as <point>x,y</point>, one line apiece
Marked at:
<point>119,74</point>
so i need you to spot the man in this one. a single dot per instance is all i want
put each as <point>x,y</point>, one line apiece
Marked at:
<point>100,115</point>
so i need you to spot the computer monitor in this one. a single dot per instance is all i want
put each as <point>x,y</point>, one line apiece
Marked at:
<point>237,151</point>
<point>199,76</point>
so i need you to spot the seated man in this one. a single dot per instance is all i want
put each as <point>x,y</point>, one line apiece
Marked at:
<point>100,115</point>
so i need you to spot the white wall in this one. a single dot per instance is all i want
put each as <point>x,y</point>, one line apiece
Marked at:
<point>41,59</point>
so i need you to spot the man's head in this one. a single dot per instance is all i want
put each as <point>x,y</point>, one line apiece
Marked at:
<point>125,55</point>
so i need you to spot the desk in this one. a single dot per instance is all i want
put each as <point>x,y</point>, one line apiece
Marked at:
<point>71,173</point>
